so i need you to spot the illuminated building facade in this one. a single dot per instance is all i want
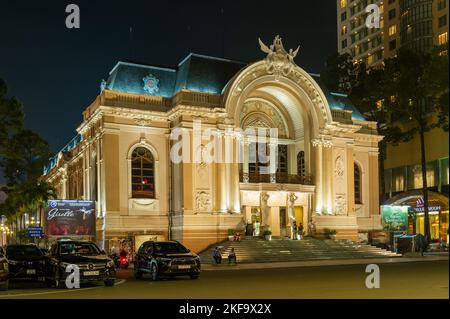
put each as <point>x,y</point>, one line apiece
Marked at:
<point>327,168</point>
<point>413,24</point>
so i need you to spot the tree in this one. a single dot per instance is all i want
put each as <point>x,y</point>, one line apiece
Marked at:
<point>411,87</point>
<point>343,75</point>
<point>25,156</point>
<point>11,116</point>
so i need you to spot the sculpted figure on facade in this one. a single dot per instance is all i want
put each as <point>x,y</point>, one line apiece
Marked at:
<point>278,61</point>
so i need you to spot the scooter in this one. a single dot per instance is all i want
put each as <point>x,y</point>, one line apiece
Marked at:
<point>124,262</point>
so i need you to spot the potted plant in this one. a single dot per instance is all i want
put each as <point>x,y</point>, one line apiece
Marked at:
<point>330,233</point>
<point>230,234</point>
<point>268,234</point>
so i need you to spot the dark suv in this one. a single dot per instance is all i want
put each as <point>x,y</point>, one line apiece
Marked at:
<point>93,263</point>
<point>26,262</point>
<point>166,258</point>
<point>4,274</point>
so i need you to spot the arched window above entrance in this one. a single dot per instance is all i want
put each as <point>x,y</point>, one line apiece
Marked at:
<point>142,173</point>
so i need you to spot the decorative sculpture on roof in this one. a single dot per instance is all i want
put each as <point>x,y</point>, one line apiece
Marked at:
<point>151,84</point>
<point>103,85</point>
<point>278,61</point>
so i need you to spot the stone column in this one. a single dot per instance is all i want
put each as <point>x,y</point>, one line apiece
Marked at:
<point>221,177</point>
<point>236,200</point>
<point>245,161</point>
<point>327,184</point>
<point>318,175</point>
<point>273,161</point>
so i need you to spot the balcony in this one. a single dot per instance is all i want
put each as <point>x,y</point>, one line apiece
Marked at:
<point>280,178</point>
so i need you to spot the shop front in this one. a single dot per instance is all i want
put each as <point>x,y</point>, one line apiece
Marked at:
<point>438,210</point>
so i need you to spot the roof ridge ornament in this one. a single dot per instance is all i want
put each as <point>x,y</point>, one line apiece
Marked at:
<point>279,62</point>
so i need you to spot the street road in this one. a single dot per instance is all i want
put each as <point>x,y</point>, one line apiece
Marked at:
<point>401,280</point>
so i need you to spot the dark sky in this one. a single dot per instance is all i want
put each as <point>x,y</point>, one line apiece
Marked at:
<point>56,72</point>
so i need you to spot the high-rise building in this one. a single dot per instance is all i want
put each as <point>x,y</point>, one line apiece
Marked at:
<point>414,24</point>
<point>354,37</point>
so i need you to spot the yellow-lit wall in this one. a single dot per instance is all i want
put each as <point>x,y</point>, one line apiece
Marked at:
<point>436,146</point>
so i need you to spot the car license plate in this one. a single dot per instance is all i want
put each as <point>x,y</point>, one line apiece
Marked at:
<point>184,267</point>
<point>31,271</point>
<point>91,273</point>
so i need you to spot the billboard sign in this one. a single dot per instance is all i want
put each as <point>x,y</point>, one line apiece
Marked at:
<point>70,218</point>
<point>394,218</point>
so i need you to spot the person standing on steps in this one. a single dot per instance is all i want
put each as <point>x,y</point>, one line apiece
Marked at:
<point>294,230</point>
<point>232,257</point>
<point>300,231</point>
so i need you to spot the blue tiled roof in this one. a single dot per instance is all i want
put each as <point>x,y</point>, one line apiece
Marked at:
<point>196,73</point>
<point>53,161</point>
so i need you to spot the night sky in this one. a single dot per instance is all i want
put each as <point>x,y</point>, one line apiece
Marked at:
<point>56,72</point>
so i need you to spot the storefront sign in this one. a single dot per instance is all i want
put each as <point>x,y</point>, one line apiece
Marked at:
<point>70,218</point>
<point>35,232</point>
<point>394,218</point>
<point>420,206</point>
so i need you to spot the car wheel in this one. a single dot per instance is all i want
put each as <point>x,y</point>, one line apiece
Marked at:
<point>194,276</point>
<point>109,282</point>
<point>4,286</point>
<point>154,271</point>
<point>137,273</point>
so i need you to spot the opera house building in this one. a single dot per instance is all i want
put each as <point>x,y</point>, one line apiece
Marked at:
<point>324,172</point>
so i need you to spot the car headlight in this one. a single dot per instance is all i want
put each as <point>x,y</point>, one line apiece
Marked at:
<point>110,264</point>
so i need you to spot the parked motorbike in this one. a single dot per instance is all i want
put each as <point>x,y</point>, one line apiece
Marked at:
<point>124,262</point>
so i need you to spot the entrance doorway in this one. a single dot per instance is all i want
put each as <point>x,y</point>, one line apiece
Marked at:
<point>283,222</point>
<point>298,214</point>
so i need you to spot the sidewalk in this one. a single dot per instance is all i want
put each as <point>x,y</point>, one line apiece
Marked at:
<point>318,263</point>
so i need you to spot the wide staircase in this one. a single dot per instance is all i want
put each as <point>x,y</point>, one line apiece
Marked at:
<point>279,249</point>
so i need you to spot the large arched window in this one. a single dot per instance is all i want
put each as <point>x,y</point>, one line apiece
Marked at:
<point>301,165</point>
<point>142,173</point>
<point>357,181</point>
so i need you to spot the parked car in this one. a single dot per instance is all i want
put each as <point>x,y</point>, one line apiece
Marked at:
<point>4,272</point>
<point>166,258</point>
<point>94,264</point>
<point>26,262</point>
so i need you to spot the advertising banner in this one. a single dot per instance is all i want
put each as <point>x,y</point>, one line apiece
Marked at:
<point>394,218</point>
<point>70,218</point>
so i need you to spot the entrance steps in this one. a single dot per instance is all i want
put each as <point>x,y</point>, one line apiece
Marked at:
<point>279,249</point>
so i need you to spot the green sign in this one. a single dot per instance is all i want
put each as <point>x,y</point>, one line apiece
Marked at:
<point>394,218</point>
